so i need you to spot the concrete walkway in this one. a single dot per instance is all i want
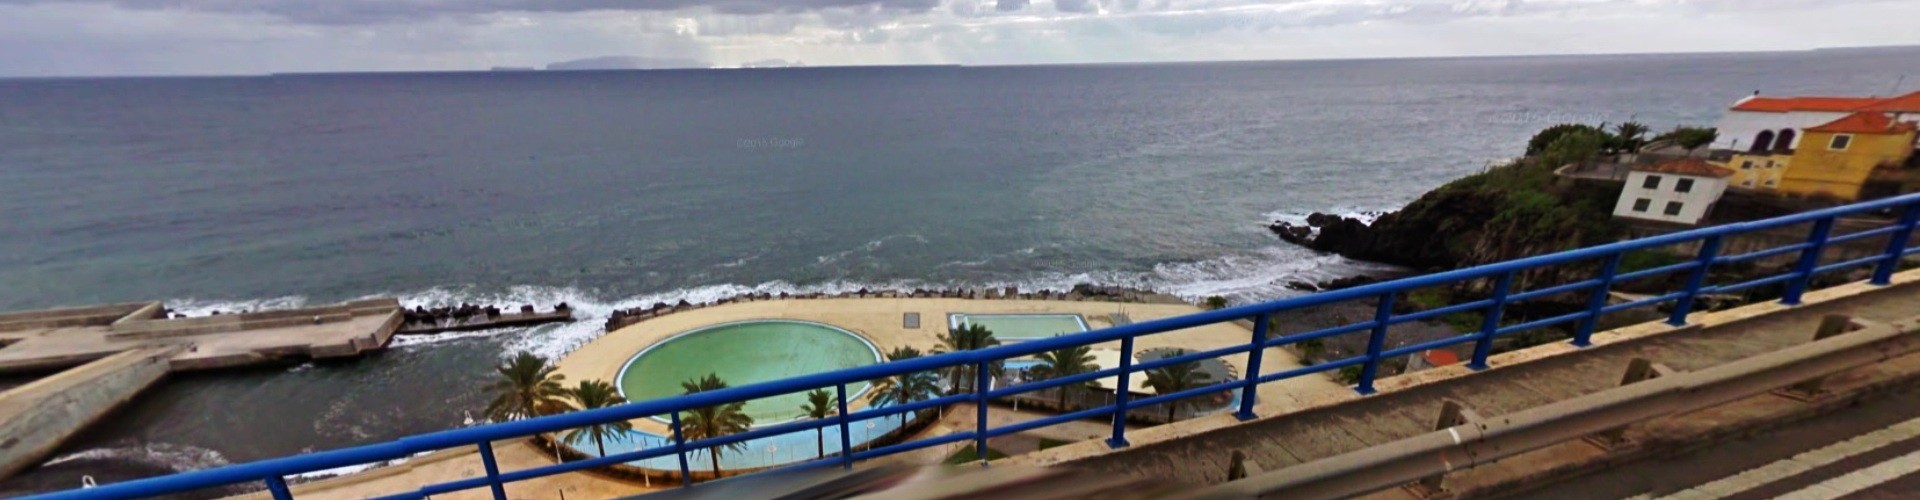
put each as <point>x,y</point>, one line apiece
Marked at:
<point>1197,451</point>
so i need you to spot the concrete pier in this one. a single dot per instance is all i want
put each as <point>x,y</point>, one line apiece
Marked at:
<point>52,339</point>
<point>35,418</point>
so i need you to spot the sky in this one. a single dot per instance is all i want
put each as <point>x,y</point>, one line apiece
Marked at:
<point>195,37</point>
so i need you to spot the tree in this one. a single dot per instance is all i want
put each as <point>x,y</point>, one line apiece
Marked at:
<point>967,337</point>
<point>591,394</point>
<point>1175,378</point>
<point>1629,136</point>
<point>1546,137</point>
<point>1690,138</point>
<point>1216,302</point>
<point>1066,362</point>
<point>905,388</point>
<point>714,421</point>
<point>1574,146</point>
<point>527,388</point>
<point>819,405</point>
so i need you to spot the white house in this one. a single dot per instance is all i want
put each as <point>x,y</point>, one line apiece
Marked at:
<point>1762,124</point>
<point>1681,191</point>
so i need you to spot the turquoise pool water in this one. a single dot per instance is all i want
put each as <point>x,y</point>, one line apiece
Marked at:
<point>1022,326</point>
<point>744,353</point>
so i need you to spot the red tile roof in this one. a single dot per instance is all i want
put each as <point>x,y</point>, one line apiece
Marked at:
<point>1686,166</point>
<point>1871,122</point>
<point>1785,104</point>
<point>1909,103</point>
<point>1905,103</point>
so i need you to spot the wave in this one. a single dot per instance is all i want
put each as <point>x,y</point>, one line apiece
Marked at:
<point>1261,274</point>
<point>1365,215</point>
<point>174,457</point>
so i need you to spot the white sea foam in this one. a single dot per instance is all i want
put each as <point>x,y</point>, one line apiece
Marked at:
<point>1262,274</point>
<point>1365,215</point>
<point>174,457</point>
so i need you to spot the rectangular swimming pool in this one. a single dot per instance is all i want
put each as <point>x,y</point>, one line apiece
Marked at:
<point>1022,326</point>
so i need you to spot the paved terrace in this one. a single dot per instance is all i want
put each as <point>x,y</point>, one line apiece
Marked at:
<point>1334,423</point>
<point>46,340</point>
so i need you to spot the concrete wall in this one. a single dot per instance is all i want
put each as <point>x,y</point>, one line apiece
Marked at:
<point>36,418</point>
<point>75,316</point>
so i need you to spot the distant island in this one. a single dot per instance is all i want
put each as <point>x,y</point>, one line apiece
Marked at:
<point>628,62</point>
<point>773,63</point>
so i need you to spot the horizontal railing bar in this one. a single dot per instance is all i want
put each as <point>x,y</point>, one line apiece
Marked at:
<point>1553,290</point>
<point>1862,234</point>
<point>1188,393</point>
<point>1439,311</point>
<point>915,445</point>
<point>1019,427</point>
<point>1540,323</point>
<point>1143,366</point>
<point>1735,259</point>
<point>1642,302</point>
<point>1735,287</point>
<point>1851,263</point>
<point>1318,334</point>
<point>890,410</point>
<point>1658,271</point>
<point>1311,369</point>
<point>1037,385</point>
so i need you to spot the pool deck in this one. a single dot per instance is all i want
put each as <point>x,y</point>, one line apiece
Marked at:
<point>879,321</point>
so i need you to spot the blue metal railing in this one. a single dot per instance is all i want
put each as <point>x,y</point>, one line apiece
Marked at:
<point>1608,258</point>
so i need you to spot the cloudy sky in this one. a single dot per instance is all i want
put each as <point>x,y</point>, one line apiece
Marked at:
<point>121,37</point>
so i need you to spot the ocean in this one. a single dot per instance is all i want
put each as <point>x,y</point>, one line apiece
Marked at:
<point>622,188</point>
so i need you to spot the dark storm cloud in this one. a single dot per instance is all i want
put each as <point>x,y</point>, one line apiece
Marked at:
<point>344,12</point>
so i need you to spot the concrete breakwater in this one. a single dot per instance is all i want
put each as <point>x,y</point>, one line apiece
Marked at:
<point>52,339</point>
<point>423,320</point>
<point>1081,292</point>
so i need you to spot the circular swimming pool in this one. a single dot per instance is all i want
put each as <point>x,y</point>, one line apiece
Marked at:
<point>744,353</point>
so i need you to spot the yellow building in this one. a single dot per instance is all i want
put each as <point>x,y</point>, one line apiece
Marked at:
<point>1837,158</point>
<point>1758,170</point>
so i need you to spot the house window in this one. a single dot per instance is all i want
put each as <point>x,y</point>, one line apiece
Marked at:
<point>1746,165</point>
<point>1683,186</point>
<point>1840,142</point>
<point>1652,182</point>
<point>1641,205</point>
<point>1673,208</point>
<point>1747,183</point>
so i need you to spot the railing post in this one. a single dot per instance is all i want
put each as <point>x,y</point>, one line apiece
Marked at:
<point>680,450</point>
<point>1490,322</point>
<point>846,437</point>
<point>1809,259</point>
<point>1897,246</point>
<point>278,485</point>
<point>1368,371</point>
<point>1119,439</point>
<point>1709,249</point>
<point>980,380</point>
<point>1583,337</point>
<point>1250,386</point>
<point>493,471</point>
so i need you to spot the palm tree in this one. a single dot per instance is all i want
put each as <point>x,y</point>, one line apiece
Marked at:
<point>714,421</point>
<point>905,388</point>
<point>967,337</point>
<point>1175,378</point>
<point>591,394</point>
<point>820,404</point>
<point>1066,362</point>
<point>528,388</point>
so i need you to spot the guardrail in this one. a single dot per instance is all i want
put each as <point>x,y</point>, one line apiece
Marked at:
<point>1605,258</point>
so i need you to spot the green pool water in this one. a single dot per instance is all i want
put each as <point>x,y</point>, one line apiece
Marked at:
<point>1023,326</point>
<point>744,353</point>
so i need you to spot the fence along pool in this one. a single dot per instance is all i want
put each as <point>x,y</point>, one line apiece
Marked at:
<point>1605,261</point>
